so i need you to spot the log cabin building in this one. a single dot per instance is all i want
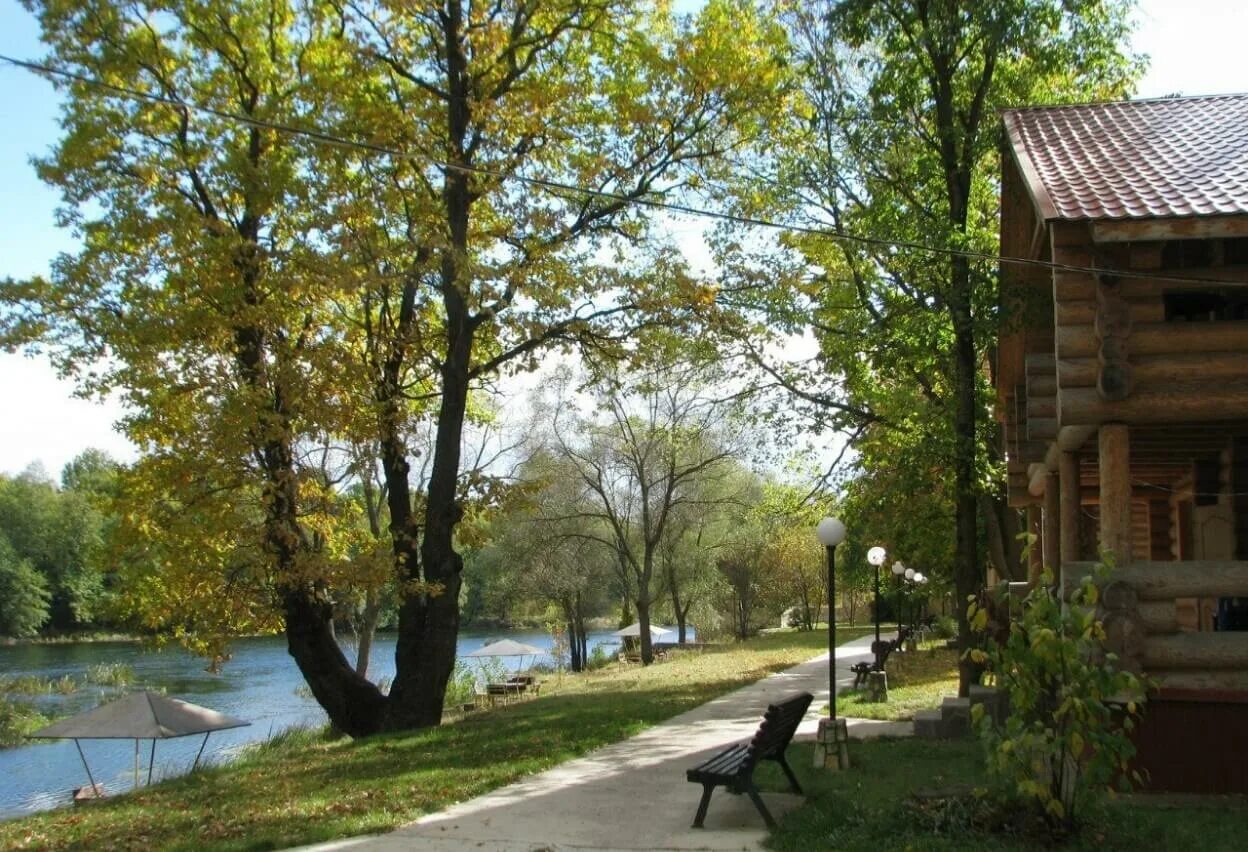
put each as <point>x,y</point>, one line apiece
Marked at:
<point>1122,387</point>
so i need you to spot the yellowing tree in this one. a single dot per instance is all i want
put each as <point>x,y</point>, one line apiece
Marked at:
<point>255,293</point>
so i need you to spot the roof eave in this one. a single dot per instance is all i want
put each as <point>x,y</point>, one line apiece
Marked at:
<point>1046,210</point>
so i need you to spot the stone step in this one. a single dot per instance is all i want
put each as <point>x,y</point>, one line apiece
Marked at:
<point>996,702</point>
<point>952,705</point>
<point>956,713</point>
<point>929,724</point>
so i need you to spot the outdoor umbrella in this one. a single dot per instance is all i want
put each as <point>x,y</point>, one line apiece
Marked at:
<point>506,648</point>
<point>140,716</point>
<point>634,629</point>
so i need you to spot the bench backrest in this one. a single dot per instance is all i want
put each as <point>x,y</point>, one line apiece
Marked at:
<point>779,725</point>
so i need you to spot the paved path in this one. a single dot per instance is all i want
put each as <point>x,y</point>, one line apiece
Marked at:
<point>633,794</point>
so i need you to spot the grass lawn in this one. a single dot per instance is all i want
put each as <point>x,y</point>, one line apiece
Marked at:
<point>917,680</point>
<point>303,788</point>
<point>870,808</point>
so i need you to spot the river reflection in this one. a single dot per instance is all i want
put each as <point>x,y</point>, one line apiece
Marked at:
<point>260,684</point>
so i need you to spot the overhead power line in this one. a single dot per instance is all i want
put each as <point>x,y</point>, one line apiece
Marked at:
<point>606,195</point>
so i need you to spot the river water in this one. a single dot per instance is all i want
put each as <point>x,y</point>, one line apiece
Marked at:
<point>260,684</point>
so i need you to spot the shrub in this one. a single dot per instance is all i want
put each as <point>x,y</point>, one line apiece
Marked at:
<point>110,674</point>
<point>597,658</point>
<point>17,720</point>
<point>1065,740</point>
<point>461,687</point>
<point>946,626</point>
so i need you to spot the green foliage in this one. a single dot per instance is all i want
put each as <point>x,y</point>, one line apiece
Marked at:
<point>597,659</point>
<point>119,675</point>
<point>24,594</point>
<point>57,535</point>
<point>946,626</point>
<point>17,720</point>
<point>36,685</point>
<point>1066,738</point>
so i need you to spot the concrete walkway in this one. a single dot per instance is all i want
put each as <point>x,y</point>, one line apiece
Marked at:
<point>633,794</point>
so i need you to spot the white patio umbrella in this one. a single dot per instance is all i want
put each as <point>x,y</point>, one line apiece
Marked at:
<point>140,716</point>
<point>507,648</point>
<point>634,630</point>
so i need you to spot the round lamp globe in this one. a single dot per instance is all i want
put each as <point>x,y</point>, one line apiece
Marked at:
<point>831,532</point>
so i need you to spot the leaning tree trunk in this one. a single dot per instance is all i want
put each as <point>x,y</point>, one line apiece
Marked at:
<point>352,703</point>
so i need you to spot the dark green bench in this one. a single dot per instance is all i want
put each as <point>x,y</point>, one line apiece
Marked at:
<point>734,766</point>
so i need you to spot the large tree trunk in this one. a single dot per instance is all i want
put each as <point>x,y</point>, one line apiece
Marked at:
<point>367,632</point>
<point>968,579</point>
<point>429,614</point>
<point>351,702</point>
<point>354,705</point>
<point>643,620</point>
<point>680,611</point>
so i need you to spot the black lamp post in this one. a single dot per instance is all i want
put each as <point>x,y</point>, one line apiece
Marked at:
<point>876,557</point>
<point>831,532</point>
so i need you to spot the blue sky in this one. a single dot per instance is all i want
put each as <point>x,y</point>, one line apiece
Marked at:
<point>1196,47</point>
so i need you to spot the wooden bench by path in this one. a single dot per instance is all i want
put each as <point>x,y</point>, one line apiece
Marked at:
<point>734,767</point>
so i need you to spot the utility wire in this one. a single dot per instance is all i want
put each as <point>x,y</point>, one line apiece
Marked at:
<point>606,195</point>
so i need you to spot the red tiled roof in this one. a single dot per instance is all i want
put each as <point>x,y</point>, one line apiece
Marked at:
<point>1135,159</point>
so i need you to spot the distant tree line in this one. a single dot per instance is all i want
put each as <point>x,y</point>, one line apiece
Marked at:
<point>53,568</point>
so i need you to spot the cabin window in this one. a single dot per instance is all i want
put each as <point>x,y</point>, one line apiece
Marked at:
<point>1196,306</point>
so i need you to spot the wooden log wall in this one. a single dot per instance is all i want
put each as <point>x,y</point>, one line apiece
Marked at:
<point>1118,360</point>
<point>1140,612</point>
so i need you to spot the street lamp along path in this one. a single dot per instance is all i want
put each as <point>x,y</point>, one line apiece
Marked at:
<point>877,556</point>
<point>832,750</point>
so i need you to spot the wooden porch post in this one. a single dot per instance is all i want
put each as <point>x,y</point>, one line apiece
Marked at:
<point>1114,448</point>
<point>1035,559</point>
<point>1068,473</point>
<point>1052,523</point>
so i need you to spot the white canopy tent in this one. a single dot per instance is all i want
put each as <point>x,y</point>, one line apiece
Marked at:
<point>140,716</point>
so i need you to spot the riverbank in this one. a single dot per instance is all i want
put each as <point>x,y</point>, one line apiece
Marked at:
<point>301,788</point>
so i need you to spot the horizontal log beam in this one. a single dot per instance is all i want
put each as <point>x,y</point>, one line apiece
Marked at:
<point>1157,338</point>
<point>1159,616</point>
<point>1041,429</point>
<point>1083,311</point>
<point>1161,581</point>
<point>1188,651</point>
<point>1151,370</point>
<point>1042,385</point>
<point>1172,228</point>
<point>1081,286</point>
<point>1228,680</point>
<point>1041,407</point>
<point>1176,403</point>
<point>1072,438</point>
<point>1039,364</point>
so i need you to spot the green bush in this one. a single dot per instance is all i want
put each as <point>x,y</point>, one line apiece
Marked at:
<point>110,674</point>
<point>17,720</point>
<point>946,626</point>
<point>597,658</point>
<point>1065,740</point>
